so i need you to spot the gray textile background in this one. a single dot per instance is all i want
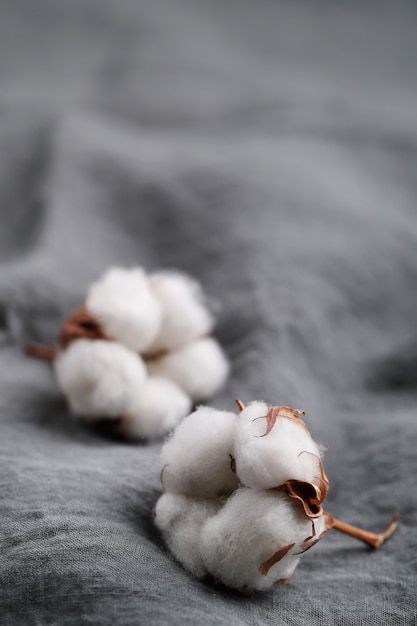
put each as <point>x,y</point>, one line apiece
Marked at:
<point>270,149</point>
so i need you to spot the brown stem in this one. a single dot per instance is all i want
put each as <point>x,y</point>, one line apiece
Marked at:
<point>240,404</point>
<point>373,539</point>
<point>79,324</point>
<point>39,351</point>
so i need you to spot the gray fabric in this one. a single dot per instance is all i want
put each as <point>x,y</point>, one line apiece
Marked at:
<point>270,149</point>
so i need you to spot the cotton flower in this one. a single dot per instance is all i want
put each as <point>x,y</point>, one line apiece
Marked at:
<point>257,539</point>
<point>185,316</point>
<point>98,378</point>
<point>273,446</point>
<point>125,308</point>
<point>199,368</point>
<point>136,354</point>
<point>243,495</point>
<point>154,409</point>
<point>197,460</point>
<point>181,519</point>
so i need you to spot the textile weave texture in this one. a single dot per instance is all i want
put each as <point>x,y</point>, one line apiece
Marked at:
<point>270,150</point>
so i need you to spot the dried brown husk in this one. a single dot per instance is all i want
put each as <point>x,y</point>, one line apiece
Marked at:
<point>306,493</point>
<point>79,325</point>
<point>275,558</point>
<point>284,412</point>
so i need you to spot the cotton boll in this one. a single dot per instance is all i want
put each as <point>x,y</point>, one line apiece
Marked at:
<point>155,409</point>
<point>124,306</point>
<point>268,453</point>
<point>185,316</point>
<point>180,518</point>
<point>196,459</point>
<point>99,377</point>
<point>257,539</point>
<point>199,368</point>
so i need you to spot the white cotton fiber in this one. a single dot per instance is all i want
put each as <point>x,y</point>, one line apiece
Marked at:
<point>286,452</point>
<point>242,494</point>
<point>196,459</point>
<point>199,368</point>
<point>180,519</point>
<point>185,316</point>
<point>240,541</point>
<point>155,409</point>
<point>124,306</point>
<point>99,377</point>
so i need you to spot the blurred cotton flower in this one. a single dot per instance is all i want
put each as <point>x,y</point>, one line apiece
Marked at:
<point>243,495</point>
<point>137,354</point>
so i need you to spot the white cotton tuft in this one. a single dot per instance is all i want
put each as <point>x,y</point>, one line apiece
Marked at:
<point>199,368</point>
<point>268,459</point>
<point>155,409</point>
<point>196,459</point>
<point>255,528</point>
<point>242,494</point>
<point>180,519</point>
<point>124,306</point>
<point>99,377</point>
<point>185,316</point>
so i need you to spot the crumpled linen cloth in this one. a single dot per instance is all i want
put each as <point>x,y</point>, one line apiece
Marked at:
<point>270,150</point>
